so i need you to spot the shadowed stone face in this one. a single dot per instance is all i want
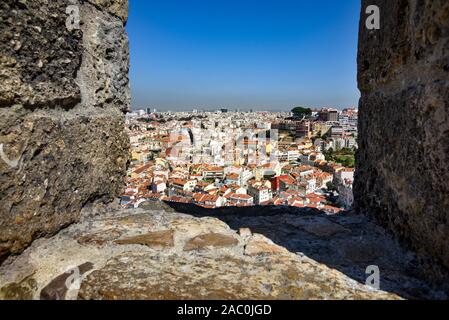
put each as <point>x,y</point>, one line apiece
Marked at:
<point>402,176</point>
<point>63,92</point>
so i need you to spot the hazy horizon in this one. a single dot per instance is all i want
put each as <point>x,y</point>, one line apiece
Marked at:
<point>186,109</point>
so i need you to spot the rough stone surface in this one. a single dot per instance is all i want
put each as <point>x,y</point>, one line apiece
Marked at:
<point>360,243</point>
<point>219,277</point>
<point>259,244</point>
<point>115,7</point>
<point>325,229</point>
<point>63,92</point>
<point>24,290</point>
<point>278,260</point>
<point>39,56</point>
<point>155,239</point>
<point>58,287</point>
<point>210,240</point>
<point>402,176</point>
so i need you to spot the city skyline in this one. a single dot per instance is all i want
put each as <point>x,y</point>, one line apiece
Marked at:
<point>217,160</point>
<point>262,56</point>
<point>234,109</point>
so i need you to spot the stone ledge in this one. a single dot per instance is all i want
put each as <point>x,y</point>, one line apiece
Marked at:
<point>254,266</point>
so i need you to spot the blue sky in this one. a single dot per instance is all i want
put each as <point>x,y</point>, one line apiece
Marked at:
<point>259,54</point>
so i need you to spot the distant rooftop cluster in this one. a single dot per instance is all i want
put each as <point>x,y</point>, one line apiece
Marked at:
<point>221,158</point>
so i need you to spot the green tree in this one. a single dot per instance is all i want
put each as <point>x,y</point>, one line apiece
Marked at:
<point>329,154</point>
<point>331,186</point>
<point>301,112</point>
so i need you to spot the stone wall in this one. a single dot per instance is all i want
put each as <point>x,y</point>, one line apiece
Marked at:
<point>63,93</point>
<point>402,176</point>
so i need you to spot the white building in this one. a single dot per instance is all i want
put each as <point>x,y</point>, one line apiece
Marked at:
<point>345,194</point>
<point>260,192</point>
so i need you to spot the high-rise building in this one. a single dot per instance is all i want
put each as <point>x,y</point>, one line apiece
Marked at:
<point>328,115</point>
<point>332,115</point>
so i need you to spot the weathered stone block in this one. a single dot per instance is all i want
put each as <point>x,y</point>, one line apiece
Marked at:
<point>63,91</point>
<point>402,176</point>
<point>39,57</point>
<point>156,239</point>
<point>115,7</point>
